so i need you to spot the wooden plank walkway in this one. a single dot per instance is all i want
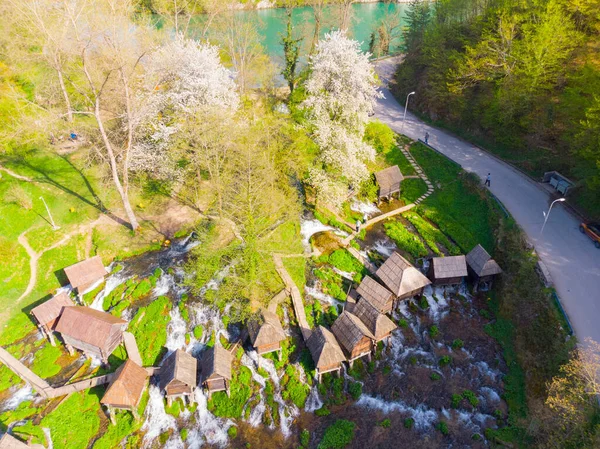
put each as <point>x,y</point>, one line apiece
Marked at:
<point>131,347</point>
<point>296,296</point>
<point>277,299</point>
<point>39,384</point>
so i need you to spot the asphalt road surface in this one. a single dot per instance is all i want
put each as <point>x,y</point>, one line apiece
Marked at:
<point>570,256</point>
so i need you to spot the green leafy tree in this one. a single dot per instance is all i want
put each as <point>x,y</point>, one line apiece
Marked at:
<point>291,52</point>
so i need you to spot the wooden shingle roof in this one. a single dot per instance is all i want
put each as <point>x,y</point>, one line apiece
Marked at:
<point>324,348</point>
<point>400,276</point>
<point>86,272</point>
<point>377,323</point>
<point>266,330</point>
<point>449,267</point>
<point>349,331</point>
<point>482,263</point>
<point>48,312</point>
<point>375,293</point>
<point>216,360</point>
<point>88,325</point>
<point>10,442</point>
<point>179,366</point>
<point>389,180</point>
<point>126,388</point>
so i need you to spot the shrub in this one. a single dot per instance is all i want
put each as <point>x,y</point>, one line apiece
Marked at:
<point>471,397</point>
<point>304,438</point>
<point>455,400</point>
<point>445,360</point>
<point>386,423</point>
<point>435,376</point>
<point>380,136</point>
<point>338,435</point>
<point>457,344</point>
<point>198,331</point>
<point>345,261</point>
<point>476,437</point>
<point>355,390</point>
<point>183,433</point>
<point>387,369</point>
<point>409,423</point>
<point>434,331</point>
<point>423,303</point>
<point>443,427</point>
<point>403,323</point>
<point>232,432</point>
<point>323,411</point>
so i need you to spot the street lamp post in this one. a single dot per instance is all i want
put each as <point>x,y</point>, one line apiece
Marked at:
<point>549,210</point>
<point>405,108</point>
<point>54,227</point>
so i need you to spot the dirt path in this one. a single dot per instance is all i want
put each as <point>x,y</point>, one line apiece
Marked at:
<point>15,175</point>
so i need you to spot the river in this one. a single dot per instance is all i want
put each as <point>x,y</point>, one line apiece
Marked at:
<point>366,17</point>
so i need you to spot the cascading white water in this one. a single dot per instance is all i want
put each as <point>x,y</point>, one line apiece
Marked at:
<point>49,443</point>
<point>112,282</point>
<point>424,417</point>
<point>310,227</point>
<point>490,394</point>
<point>317,294</point>
<point>208,428</point>
<point>384,247</point>
<point>365,207</point>
<point>313,402</point>
<point>157,419</point>
<point>176,330</point>
<point>23,394</point>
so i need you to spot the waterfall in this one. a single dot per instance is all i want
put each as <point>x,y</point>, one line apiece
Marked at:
<point>423,416</point>
<point>208,429</point>
<point>176,330</point>
<point>112,282</point>
<point>23,394</point>
<point>384,247</point>
<point>157,420</point>
<point>313,402</point>
<point>365,207</point>
<point>310,227</point>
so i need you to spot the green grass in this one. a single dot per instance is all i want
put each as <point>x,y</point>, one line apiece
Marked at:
<point>432,235</point>
<point>240,390</point>
<point>286,239</point>
<point>44,362</point>
<point>345,261</point>
<point>149,327</point>
<point>296,267</point>
<point>457,206</point>
<point>405,240</point>
<point>24,410</point>
<point>293,389</point>
<point>411,189</point>
<point>338,435</point>
<point>75,421</point>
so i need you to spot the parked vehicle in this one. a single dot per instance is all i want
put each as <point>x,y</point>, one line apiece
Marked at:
<point>592,230</point>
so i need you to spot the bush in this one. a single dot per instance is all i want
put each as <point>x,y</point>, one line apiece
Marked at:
<point>423,304</point>
<point>323,411</point>
<point>434,331</point>
<point>471,397</point>
<point>457,344</point>
<point>455,400</point>
<point>232,432</point>
<point>345,261</point>
<point>445,360</point>
<point>338,435</point>
<point>435,376</point>
<point>403,323</point>
<point>409,423</point>
<point>304,438</point>
<point>443,427</point>
<point>380,136</point>
<point>386,423</point>
<point>355,390</point>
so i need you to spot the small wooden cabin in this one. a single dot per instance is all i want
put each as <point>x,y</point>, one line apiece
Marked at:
<point>401,278</point>
<point>354,337</point>
<point>325,351</point>
<point>378,324</point>
<point>48,313</point>
<point>449,270</point>
<point>85,275</point>
<point>266,333</point>
<point>389,180</point>
<point>91,331</point>
<point>9,442</point>
<point>125,389</point>
<point>178,376</point>
<point>376,294</point>
<point>482,268</point>
<point>215,373</point>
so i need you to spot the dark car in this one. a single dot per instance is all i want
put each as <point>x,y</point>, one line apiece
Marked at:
<point>592,230</point>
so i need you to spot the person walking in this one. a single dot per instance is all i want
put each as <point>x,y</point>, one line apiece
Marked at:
<point>488,180</point>
<point>357,225</point>
<point>426,137</point>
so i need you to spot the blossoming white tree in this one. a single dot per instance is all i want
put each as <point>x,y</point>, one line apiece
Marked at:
<point>342,89</point>
<point>183,78</point>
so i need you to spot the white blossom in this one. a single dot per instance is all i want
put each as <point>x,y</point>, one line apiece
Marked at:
<point>342,90</point>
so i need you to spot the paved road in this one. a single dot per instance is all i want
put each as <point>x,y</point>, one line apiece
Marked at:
<point>571,258</point>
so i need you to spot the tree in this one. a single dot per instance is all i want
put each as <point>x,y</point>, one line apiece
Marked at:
<point>291,51</point>
<point>342,89</point>
<point>319,8</point>
<point>418,16</point>
<point>345,13</point>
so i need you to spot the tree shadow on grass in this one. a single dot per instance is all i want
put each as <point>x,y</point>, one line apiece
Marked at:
<point>47,176</point>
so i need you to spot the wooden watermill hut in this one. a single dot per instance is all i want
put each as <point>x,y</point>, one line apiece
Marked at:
<point>449,270</point>
<point>178,376</point>
<point>401,278</point>
<point>482,268</point>
<point>91,331</point>
<point>125,389</point>
<point>215,373</point>
<point>389,180</point>
<point>48,313</point>
<point>266,333</point>
<point>379,296</point>
<point>354,337</point>
<point>378,323</point>
<point>84,275</point>
<point>325,351</point>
